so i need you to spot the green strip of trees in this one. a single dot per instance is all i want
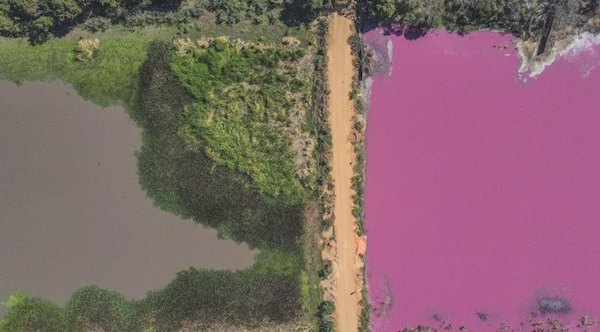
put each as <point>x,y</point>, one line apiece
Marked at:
<point>39,20</point>
<point>523,19</point>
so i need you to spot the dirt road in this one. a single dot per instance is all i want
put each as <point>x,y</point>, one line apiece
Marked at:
<point>340,72</point>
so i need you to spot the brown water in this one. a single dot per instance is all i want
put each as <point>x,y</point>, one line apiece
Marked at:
<point>71,210</point>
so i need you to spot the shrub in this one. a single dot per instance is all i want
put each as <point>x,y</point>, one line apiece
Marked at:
<point>96,24</point>
<point>326,271</point>
<point>92,308</point>
<point>239,298</point>
<point>25,313</point>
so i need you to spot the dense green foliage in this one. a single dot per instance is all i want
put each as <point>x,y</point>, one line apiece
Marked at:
<point>242,111</point>
<point>195,298</point>
<point>291,11</point>
<point>319,118</point>
<point>521,18</point>
<point>410,12</point>
<point>38,20</point>
<point>191,184</point>
<point>188,182</point>
<point>324,312</point>
<point>243,298</point>
<point>93,308</point>
<point>24,314</point>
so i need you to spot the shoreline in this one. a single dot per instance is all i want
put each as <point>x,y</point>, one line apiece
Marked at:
<point>572,45</point>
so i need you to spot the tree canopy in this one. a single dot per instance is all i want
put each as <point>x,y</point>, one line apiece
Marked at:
<point>39,20</point>
<point>519,17</point>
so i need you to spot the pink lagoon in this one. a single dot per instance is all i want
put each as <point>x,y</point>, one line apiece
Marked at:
<point>483,189</point>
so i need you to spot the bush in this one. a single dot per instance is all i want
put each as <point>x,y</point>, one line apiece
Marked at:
<point>24,313</point>
<point>327,269</point>
<point>324,312</point>
<point>239,298</point>
<point>326,325</point>
<point>96,24</point>
<point>92,308</point>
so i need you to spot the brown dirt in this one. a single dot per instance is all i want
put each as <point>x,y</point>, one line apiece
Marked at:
<point>340,72</point>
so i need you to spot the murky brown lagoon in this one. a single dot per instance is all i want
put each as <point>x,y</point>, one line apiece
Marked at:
<point>71,210</point>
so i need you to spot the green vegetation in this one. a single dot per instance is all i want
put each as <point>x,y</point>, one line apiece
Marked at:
<point>190,183</point>
<point>195,299</point>
<point>319,119</point>
<point>523,19</point>
<point>310,288</point>
<point>326,271</point>
<point>93,308</point>
<point>24,313</point>
<point>108,77</point>
<point>40,20</point>
<point>365,313</point>
<point>325,313</point>
<point>292,11</point>
<point>320,122</point>
<point>248,112</point>
<point>360,109</point>
<point>271,33</point>
<point>203,298</point>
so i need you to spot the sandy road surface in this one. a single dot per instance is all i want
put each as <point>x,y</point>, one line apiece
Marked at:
<point>340,72</point>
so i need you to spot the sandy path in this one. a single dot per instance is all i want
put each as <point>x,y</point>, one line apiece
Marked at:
<point>340,73</point>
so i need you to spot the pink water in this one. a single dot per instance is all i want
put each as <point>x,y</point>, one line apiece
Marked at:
<point>483,192</point>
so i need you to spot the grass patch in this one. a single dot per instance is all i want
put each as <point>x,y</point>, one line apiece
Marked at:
<point>277,262</point>
<point>109,77</point>
<point>245,97</point>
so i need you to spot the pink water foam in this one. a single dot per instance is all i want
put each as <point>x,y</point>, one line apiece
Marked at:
<point>482,192</point>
